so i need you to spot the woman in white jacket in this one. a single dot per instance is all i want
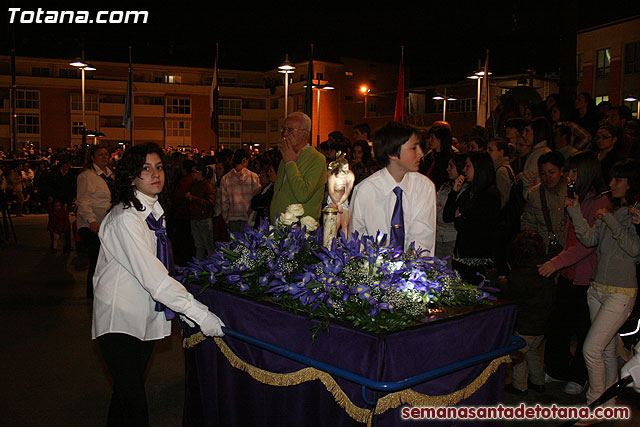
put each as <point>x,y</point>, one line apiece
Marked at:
<point>132,279</point>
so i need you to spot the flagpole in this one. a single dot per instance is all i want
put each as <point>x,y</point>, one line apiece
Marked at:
<point>398,115</point>
<point>130,93</point>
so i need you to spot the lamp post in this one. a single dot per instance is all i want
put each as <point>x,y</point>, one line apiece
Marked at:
<point>320,87</point>
<point>80,63</point>
<point>365,91</point>
<point>445,98</point>
<point>478,76</point>
<point>632,98</point>
<point>286,68</point>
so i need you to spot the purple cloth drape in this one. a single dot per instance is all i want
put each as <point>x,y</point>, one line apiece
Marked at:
<point>164,254</point>
<point>221,395</point>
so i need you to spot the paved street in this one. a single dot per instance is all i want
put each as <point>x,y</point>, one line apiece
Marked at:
<point>52,373</point>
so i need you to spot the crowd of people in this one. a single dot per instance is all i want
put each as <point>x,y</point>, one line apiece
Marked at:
<point>544,204</point>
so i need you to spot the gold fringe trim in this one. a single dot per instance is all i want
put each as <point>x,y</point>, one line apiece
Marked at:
<point>416,399</point>
<point>361,415</point>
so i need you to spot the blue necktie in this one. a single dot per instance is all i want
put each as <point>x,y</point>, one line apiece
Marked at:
<point>164,254</point>
<point>397,222</point>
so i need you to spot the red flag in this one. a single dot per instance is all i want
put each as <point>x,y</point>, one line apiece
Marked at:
<point>398,116</point>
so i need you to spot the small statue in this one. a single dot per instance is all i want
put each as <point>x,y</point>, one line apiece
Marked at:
<point>340,183</point>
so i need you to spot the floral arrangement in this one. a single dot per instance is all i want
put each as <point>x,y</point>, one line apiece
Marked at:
<point>357,280</point>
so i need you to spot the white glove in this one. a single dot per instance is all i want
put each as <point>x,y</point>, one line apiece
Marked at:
<point>632,367</point>
<point>188,321</point>
<point>212,326</point>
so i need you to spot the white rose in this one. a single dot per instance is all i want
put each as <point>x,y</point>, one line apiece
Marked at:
<point>287,219</point>
<point>310,223</point>
<point>296,209</point>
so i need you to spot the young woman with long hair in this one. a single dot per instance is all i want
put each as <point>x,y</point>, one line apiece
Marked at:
<point>613,288</point>
<point>132,278</point>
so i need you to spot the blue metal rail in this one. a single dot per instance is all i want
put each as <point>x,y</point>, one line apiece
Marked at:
<point>516,343</point>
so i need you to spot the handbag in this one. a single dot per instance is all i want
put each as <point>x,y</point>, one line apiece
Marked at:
<point>554,247</point>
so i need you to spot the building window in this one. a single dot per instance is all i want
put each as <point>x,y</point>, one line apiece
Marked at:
<point>579,66</point>
<point>603,62</point>
<point>319,76</point>
<point>254,104</point>
<point>178,128</point>
<point>230,107</point>
<point>29,99</point>
<point>274,104</point>
<point>348,98</point>
<point>230,129</point>
<point>178,106</point>
<point>28,123</point>
<point>348,73</point>
<point>90,102</point>
<point>40,72</point>
<point>599,99</point>
<point>76,128</point>
<point>254,126</point>
<point>174,79</point>
<point>632,58</point>
<point>274,126</point>
<point>66,73</point>
<point>372,82</point>
<point>348,122</point>
<point>371,107</point>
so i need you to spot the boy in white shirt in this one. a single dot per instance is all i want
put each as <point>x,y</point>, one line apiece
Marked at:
<point>396,200</point>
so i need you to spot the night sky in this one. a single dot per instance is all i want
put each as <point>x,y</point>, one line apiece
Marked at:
<point>443,43</point>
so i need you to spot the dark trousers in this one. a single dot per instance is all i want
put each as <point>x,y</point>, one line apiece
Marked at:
<point>92,245</point>
<point>126,358</point>
<point>570,316</point>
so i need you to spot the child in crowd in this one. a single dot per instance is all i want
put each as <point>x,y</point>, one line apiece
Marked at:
<point>396,200</point>
<point>58,223</point>
<point>534,295</point>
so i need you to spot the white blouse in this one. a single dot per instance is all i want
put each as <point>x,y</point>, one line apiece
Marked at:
<point>129,278</point>
<point>93,196</point>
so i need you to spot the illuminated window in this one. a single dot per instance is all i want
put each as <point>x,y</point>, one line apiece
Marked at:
<point>603,62</point>
<point>178,106</point>
<point>174,79</point>
<point>600,99</point>
<point>28,99</point>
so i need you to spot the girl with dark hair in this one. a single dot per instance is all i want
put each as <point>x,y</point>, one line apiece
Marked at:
<point>608,140</point>
<point>132,280</point>
<point>580,138</point>
<point>93,199</point>
<point>613,287</point>
<point>360,159</point>
<point>446,232</point>
<point>575,264</point>
<point>434,163</point>
<point>475,216</point>
<point>537,137</point>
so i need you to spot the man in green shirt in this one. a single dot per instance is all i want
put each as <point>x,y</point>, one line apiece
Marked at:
<point>302,173</point>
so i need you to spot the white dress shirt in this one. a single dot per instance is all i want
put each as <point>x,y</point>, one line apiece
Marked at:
<point>129,278</point>
<point>93,196</point>
<point>373,202</point>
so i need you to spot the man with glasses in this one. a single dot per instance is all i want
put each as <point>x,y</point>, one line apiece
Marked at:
<point>302,173</point>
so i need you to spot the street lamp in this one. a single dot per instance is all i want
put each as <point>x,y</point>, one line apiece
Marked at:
<point>632,98</point>
<point>445,98</point>
<point>478,76</point>
<point>320,85</point>
<point>95,134</point>
<point>286,68</point>
<point>80,63</point>
<point>365,91</point>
